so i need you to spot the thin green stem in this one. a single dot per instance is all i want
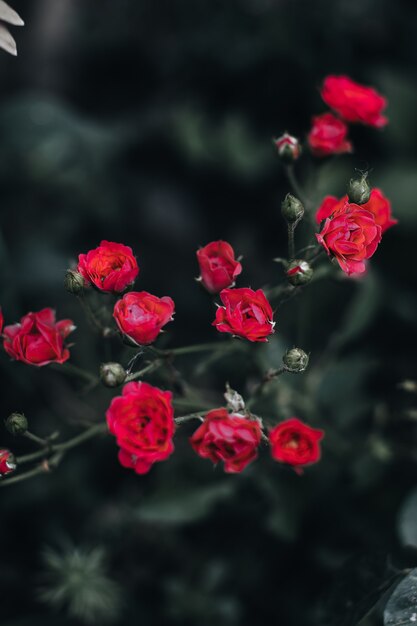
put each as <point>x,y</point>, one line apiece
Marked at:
<point>190,416</point>
<point>269,376</point>
<point>291,245</point>
<point>38,440</point>
<point>73,370</point>
<point>202,347</point>
<point>146,370</point>
<point>296,187</point>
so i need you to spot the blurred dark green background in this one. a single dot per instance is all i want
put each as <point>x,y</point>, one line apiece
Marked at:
<point>150,123</point>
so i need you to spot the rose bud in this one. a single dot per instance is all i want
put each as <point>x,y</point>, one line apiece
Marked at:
<point>140,316</point>
<point>16,424</point>
<point>288,147</point>
<point>110,268</point>
<point>74,282</point>
<point>299,272</point>
<point>218,266</point>
<point>38,339</point>
<point>378,205</point>
<point>295,443</point>
<point>328,136</point>
<point>351,236</point>
<point>112,374</point>
<point>295,360</point>
<point>292,209</point>
<point>142,420</point>
<point>354,102</point>
<point>358,191</point>
<point>246,313</point>
<point>7,462</point>
<point>231,438</point>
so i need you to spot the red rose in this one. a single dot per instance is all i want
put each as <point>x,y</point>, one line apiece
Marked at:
<point>111,267</point>
<point>140,315</point>
<point>330,205</point>
<point>295,443</point>
<point>351,236</point>
<point>218,266</point>
<point>1,320</point>
<point>246,313</point>
<point>377,204</point>
<point>38,339</point>
<point>328,136</point>
<point>231,438</point>
<point>7,462</point>
<point>142,420</point>
<point>354,102</point>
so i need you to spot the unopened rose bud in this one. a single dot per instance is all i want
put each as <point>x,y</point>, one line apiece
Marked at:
<point>74,282</point>
<point>7,462</point>
<point>295,360</point>
<point>288,148</point>
<point>16,424</point>
<point>292,209</point>
<point>234,400</point>
<point>299,272</point>
<point>358,190</point>
<point>112,374</point>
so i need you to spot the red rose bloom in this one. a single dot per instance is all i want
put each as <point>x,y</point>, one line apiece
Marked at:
<point>140,315</point>
<point>38,339</point>
<point>295,443</point>
<point>218,266</point>
<point>246,313</point>
<point>378,205</point>
<point>354,102</point>
<point>142,420</point>
<point>111,267</point>
<point>231,438</point>
<point>351,236</point>
<point>328,136</point>
<point>7,462</point>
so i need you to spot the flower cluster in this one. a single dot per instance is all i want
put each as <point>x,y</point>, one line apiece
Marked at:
<point>142,420</point>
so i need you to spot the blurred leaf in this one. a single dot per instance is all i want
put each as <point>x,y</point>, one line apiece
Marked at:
<point>7,14</point>
<point>401,608</point>
<point>407,522</point>
<point>6,41</point>
<point>190,505</point>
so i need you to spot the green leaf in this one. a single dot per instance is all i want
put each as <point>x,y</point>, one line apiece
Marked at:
<point>191,505</point>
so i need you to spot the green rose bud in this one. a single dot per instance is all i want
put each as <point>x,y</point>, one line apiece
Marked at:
<point>112,374</point>
<point>295,360</point>
<point>358,190</point>
<point>292,209</point>
<point>16,424</point>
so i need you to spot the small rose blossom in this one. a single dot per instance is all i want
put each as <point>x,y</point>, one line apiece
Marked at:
<point>38,339</point>
<point>140,316</point>
<point>246,313</point>
<point>328,136</point>
<point>378,204</point>
<point>288,147</point>
<point>354,102</point>
<point>7,462</point>
<point>142,420</point>
<point>111,267</point>
<point>295,443</point>
<point>218,266</point>
<point>351,236</point>
<point>228,437</point>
